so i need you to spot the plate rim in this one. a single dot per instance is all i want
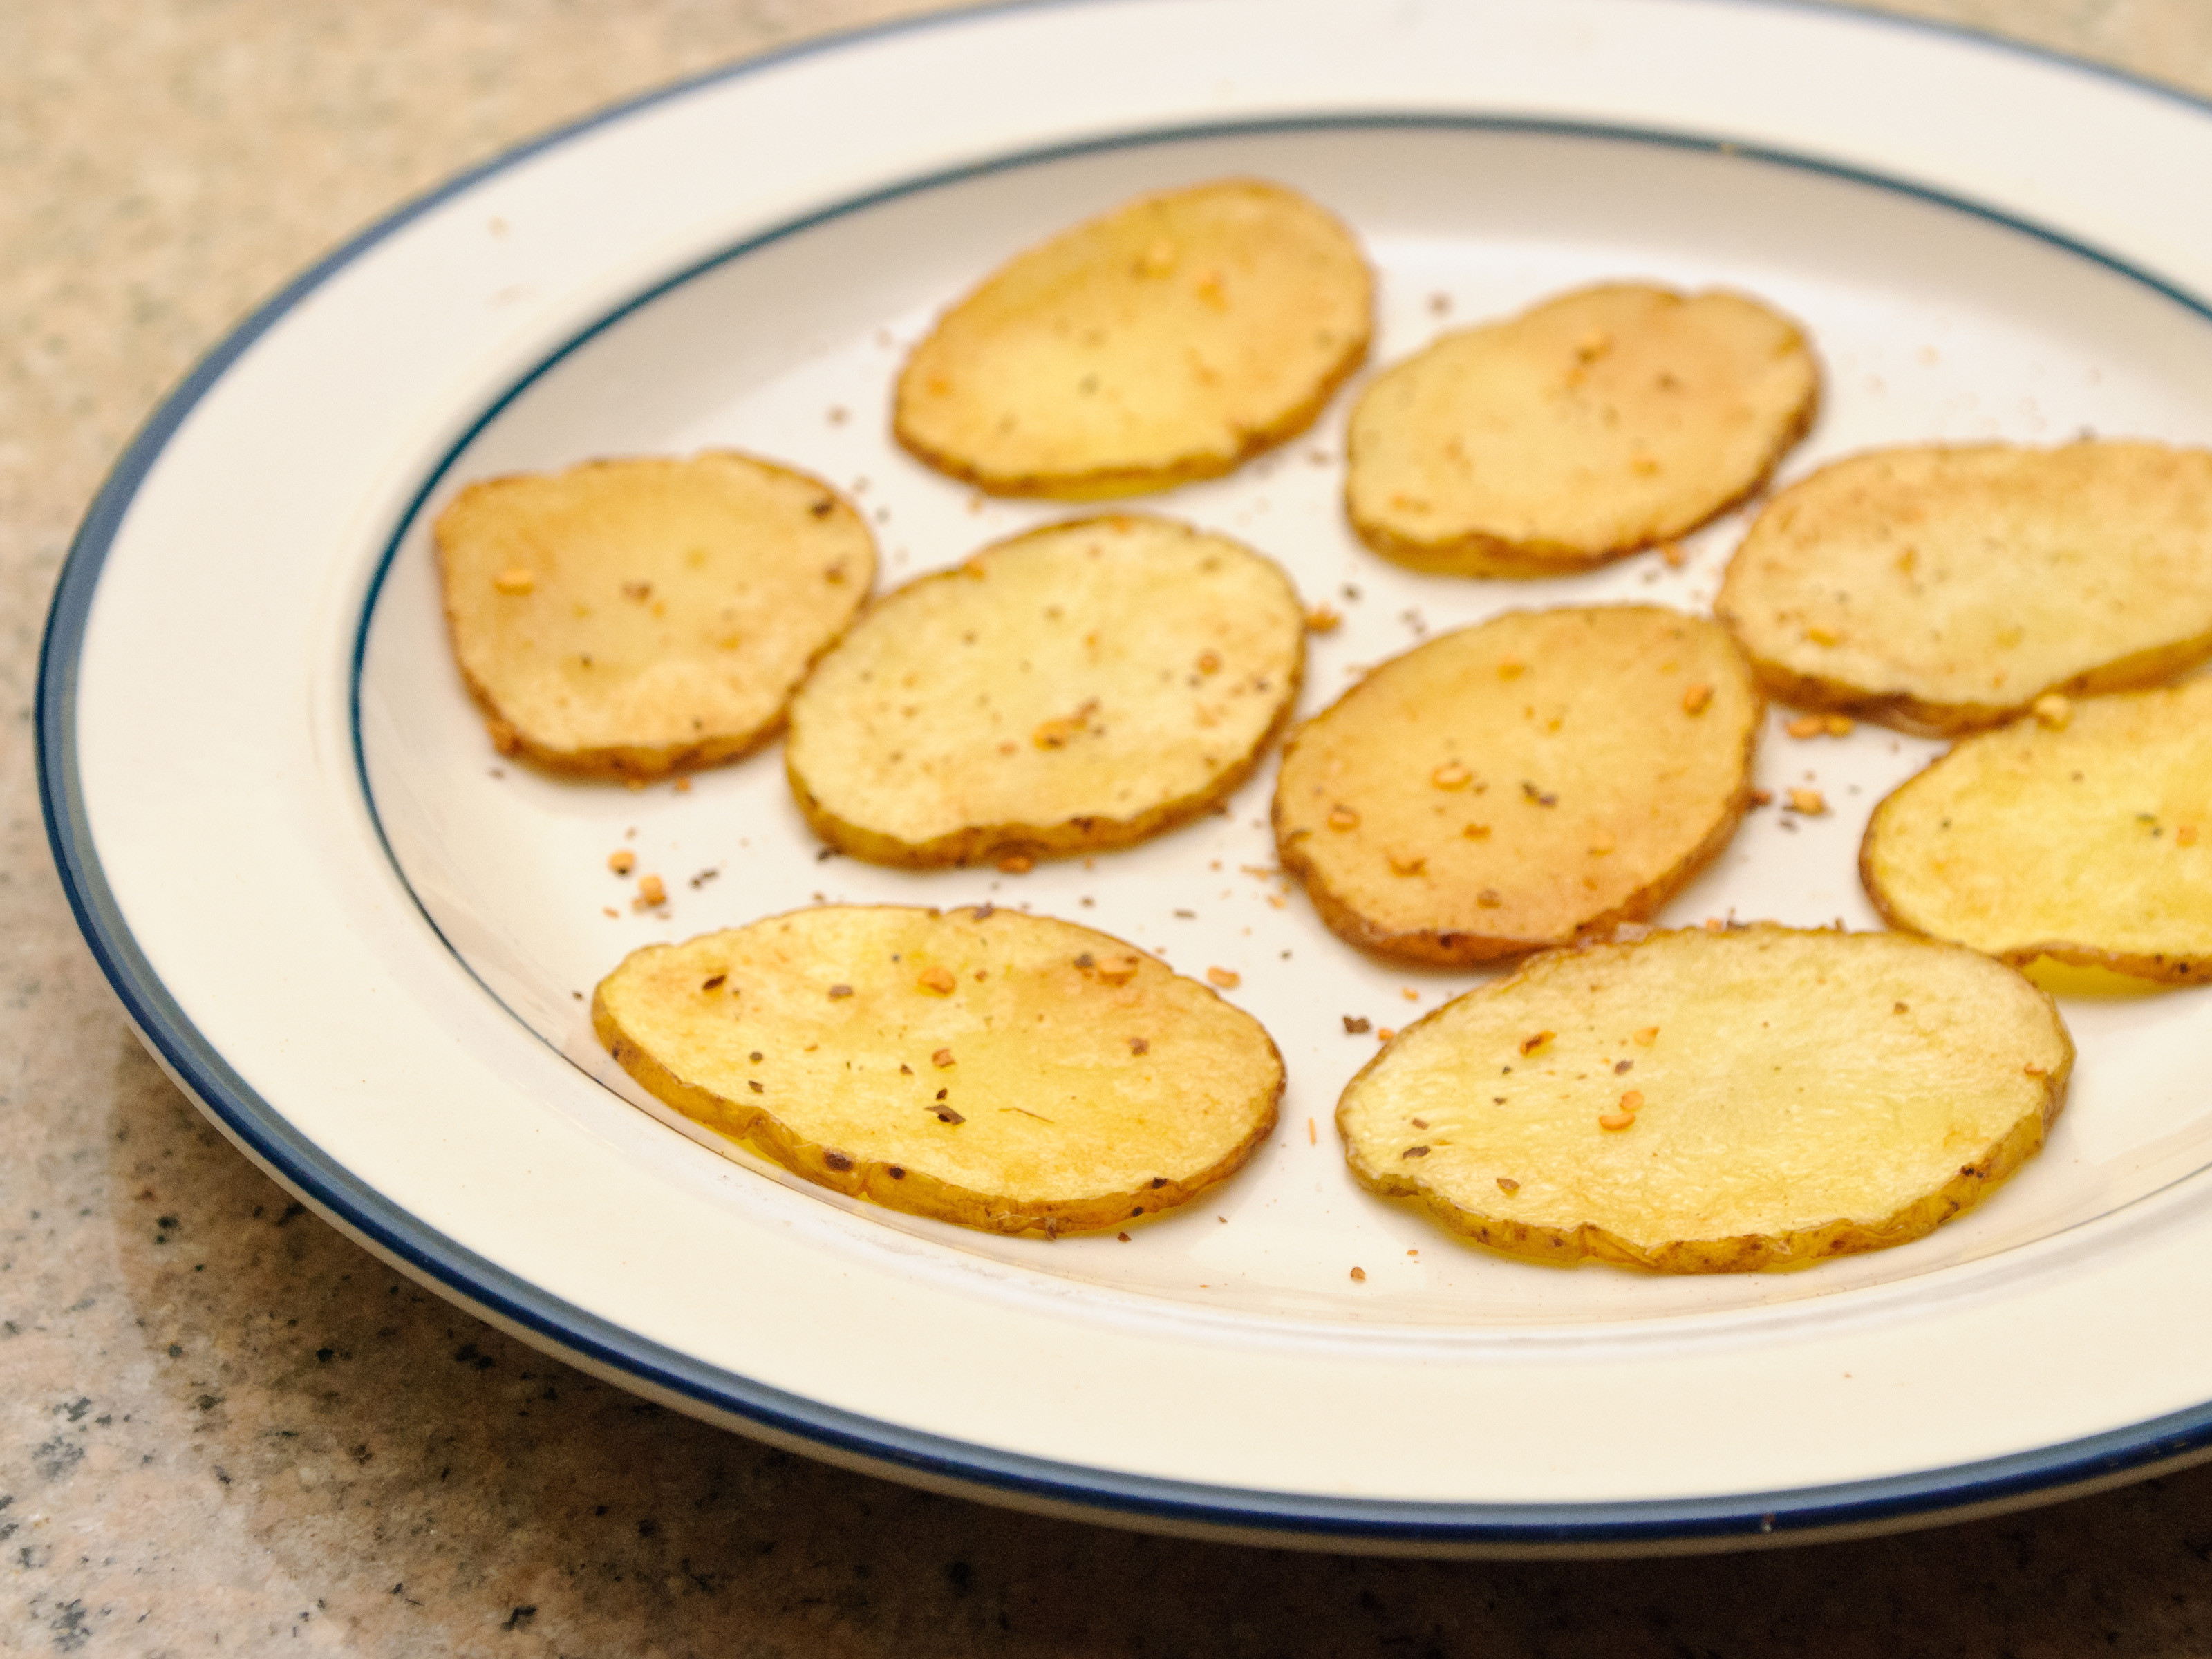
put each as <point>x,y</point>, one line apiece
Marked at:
<point>380,1223</point>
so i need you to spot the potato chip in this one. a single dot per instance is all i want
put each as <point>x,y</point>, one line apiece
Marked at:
<point>1004,1071</point>
<point>1713,1103</point>
<point>1939,589</point>
<point>629,618</point>
<point>1078,688</point>
<point>1169,340</point>
<point>1601,421</point>
<point>1542,777</point>
<point>2083,833</point>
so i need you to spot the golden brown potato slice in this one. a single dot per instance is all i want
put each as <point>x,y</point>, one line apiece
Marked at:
<point>1940,589</point>
<point>1713,1103</point>
<point>1000,1071</point>
<point>629,618</point>
<point>1171,339</point>
<point>1537,779</point>
<point>1081,687</point>
<point>2084,835</point>
<point>1600,422</point>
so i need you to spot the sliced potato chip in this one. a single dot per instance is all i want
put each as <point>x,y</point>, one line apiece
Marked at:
<point>629,618</point>
<point>1713,1103</point>
<point>1001,1070</point>
<point>2084,835</point>
<point>1940,589</point>
<point>1171,339</point>
<point>1542,777</point>
<point>1078,688</point>
<point>1601,421</point>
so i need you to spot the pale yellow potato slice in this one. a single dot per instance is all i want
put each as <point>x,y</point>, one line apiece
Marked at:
<point>1714,1102</point>
<point>1171,339</point>
<point>2085,835</point>
<point>1600,422</point>
<point>628,618</point>
<point>1005,1072</point>
<point>1540,778</point>
<point>1078,688</point>
<point>1940,589</point>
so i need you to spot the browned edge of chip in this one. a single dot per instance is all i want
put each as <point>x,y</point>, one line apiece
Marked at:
<point>985,843</point>
<point>625,762</point>
<point>617,762</point>
<point>1459,948</point>
<point>1746,1253</point>
<point>2157,969</point>
<point>909,1190</point>
<point>1110,484</point>
<point>1918,717</point>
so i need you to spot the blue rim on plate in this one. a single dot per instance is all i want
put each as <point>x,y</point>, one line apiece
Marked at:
<point>882,1448</point>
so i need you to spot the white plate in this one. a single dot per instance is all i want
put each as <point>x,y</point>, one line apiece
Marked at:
<point>362,942</point>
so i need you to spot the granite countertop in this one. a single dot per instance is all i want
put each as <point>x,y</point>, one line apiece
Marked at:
<point>223,1427</point>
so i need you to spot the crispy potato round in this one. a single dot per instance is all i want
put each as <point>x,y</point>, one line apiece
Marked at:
<point>2084,835</point>
<point>1005,1072</point>
<point>1171,339</point>
<point>1538,779</point>
<point>631,618</point>
<point>1940,589</point>
<point>1713,1103</point>
<point>1078,688</point>
<point>1601,421</point>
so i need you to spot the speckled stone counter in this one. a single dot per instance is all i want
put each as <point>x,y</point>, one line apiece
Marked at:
<point>225,1429</point>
